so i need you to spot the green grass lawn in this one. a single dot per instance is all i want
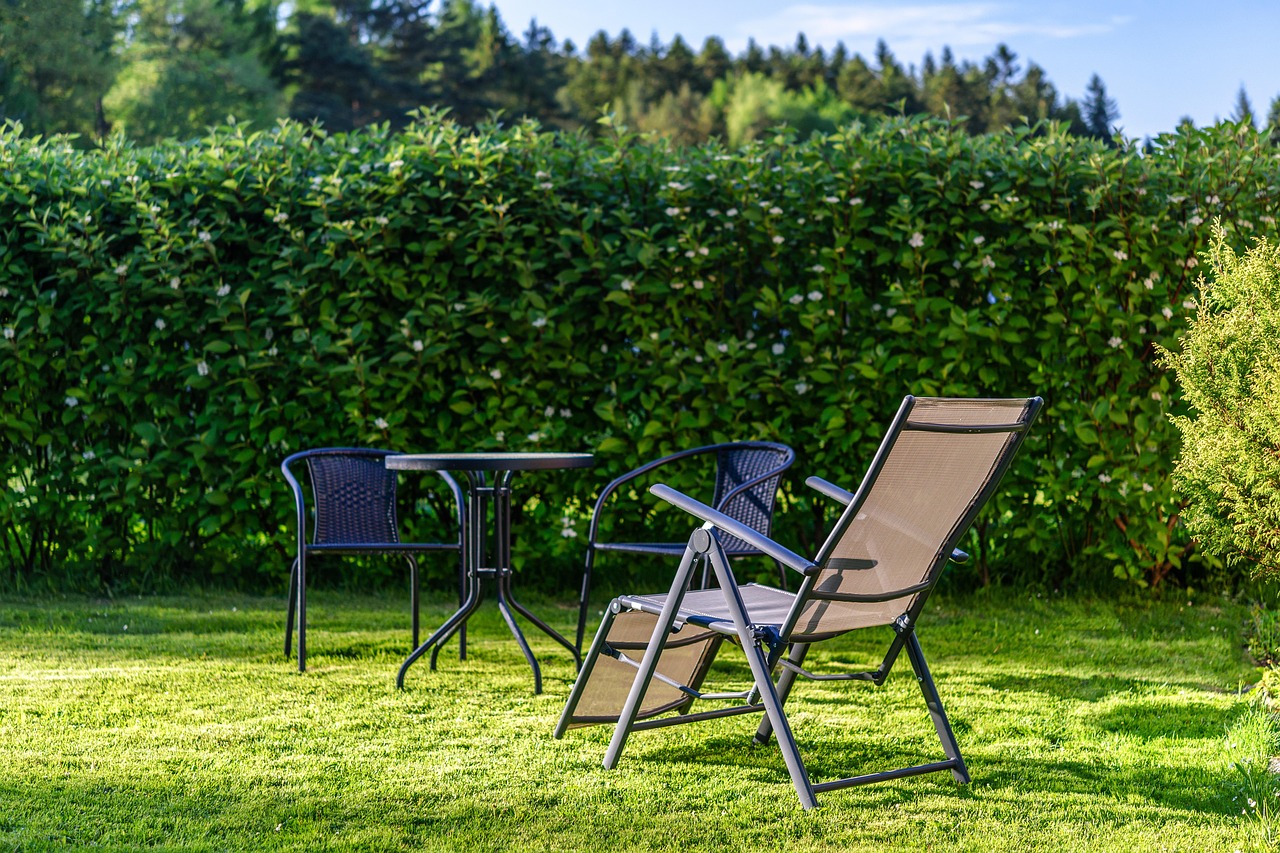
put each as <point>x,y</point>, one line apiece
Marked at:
<point>176,723</point>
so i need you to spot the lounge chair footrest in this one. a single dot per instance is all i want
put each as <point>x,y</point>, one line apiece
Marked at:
<point>886,775</point>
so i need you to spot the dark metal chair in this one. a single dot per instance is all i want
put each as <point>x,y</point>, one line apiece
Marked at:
<point>353,503</point>
<point>746,487</point>
<point>939,463</point>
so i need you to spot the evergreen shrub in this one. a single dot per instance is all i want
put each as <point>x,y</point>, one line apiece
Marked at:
<point>178,318</point>
<point>1228,367</point>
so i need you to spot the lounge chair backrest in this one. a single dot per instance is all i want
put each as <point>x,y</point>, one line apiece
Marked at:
<point>937,465</point>
<point>354,496</point>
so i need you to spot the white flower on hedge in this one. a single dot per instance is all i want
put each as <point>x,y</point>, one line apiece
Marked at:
<point>88,455</point>
<point>627,284</point>
<point>382,221</point>
<point>1149,283</point>
<point>9,333</point>
<point>1077,473</point>
<point>71,402</point>
<point>733,211</point>
<point>722,347</point>
<point>1055,225</point>
<point>1167,312</point>
<point>1157,396</point>
<point>566,413</point>
<point>988,262</point>
<point>365,168</point>
<point>549,412</point>
<point>280,218</point>
<point>697,284</point>
<point>496,373</point>
<point>541,175</point>
<point>224,290</point>
<point>546,185</point>
<point>205,236</point>
<point>855,201</point>
<point>677,285</point>
<point>672,211</point>
<point>815,295</point>
<point>1104,478</point>
<point>1188,303</point>
<point>122,269</point>
<point>395,164</point>
<point>801,387</point>
<point>916,241</point>
<point>160,323</point>
<point>1147,487</point>
<point>175,283</point>
<point>778,349</point>
<point>818,268</point>
<point>381,423</point>
<point>775,211</point>
<point>704,251</point>
<point>977,185</point>
<point>534,437</point>
<point>1196,220</point>
<point>1114,342</point>
<point>778,239</point>
<point>891,312</point>
<point>690,253</point>
<point>202,368</point>
<point>979,240</point>
<point>1121,255</point>
<point>1191,263</point>
<point>418,346</point>
<point>796,300</point>
<point>539,322</point>
<point>677,186</point>
<point>831,199</point>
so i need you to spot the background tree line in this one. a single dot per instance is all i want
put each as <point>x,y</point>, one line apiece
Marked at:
<point>156,69</point>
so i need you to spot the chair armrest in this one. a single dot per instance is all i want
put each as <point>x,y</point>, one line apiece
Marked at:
<point>736,528</point>
<point>830,489</point>
<point>634,473</point>
<point>958,556</point>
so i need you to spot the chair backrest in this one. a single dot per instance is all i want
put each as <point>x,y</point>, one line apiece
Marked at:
<point>353,495</point>
<point>738,464</point>
<point>938,464</point>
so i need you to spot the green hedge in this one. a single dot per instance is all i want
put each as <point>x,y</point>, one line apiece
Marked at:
<point>177,319</point>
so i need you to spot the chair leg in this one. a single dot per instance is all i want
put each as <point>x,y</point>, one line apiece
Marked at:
<point>413,595</point>
<point>759,663</point>
<point>584,596</point>
<point>289,607</point>
<point>940,722</point>
<point>785,682</point>
<point>584,674</point>
<point>657,642</point>
<point>302,612</point>
<point>462,598</point>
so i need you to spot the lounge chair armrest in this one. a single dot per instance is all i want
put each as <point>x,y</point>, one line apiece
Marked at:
<point>958,556</point>
<point>733,527</point>
<point>830,489</point>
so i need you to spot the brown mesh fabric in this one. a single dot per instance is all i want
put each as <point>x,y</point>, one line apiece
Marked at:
<point>929,483</point>
<point>355,500</point>
<point>685,659</point>
<point>753,507</point>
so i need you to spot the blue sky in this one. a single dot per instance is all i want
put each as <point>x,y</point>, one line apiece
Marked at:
<point>1161,60</point>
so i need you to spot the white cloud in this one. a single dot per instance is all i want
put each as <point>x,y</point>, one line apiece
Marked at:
<point>910,30</point>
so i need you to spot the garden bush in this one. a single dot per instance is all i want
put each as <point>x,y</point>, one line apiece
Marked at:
<point>178,318</point>
<point>1228,368</point>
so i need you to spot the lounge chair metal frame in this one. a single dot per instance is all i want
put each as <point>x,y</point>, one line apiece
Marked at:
<point>776,628</point>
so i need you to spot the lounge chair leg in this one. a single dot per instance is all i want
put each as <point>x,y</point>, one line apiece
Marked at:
<point>785,682</point>
<point>584,673</point>
<point>774,714</point>
<point>584,597</point>
<point>302,613</point>
<point>940,722</point>
<point>698,544</point>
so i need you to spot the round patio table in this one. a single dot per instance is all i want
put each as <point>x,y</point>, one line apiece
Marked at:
<point>481,493</point>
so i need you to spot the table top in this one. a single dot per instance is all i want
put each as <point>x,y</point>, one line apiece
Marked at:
<point>497,461</point>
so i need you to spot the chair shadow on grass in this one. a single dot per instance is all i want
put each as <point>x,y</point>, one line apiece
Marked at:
<point>1132,712</point>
